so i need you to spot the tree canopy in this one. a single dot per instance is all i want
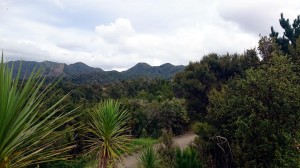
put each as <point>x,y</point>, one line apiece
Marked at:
<point>259,114</point>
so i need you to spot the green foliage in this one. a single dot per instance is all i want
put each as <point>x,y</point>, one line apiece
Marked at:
<point>289,43</point>
<point>165,71</point>
<point>77,163</point>
<point>259,114</point>
<point>204,130</point>
<point>150,120</point>
<point>27,132</point>
<point>187,158</point>
<point>138,120</point>
<point>142,88</point>
<point>267,47</point>
<point>212,71</point>
<point>213,150</point>
<point>144,133</point>
<point>109,132</point>
<point>140,143</point>
<point>152,117</point>
<point>149,159</point>
<point>173,116</point>
<point>167,149</point>
<point>79,73</point>
<point>290,35</point>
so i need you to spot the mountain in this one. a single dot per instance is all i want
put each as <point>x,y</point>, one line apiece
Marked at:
<point>80,68</point>
<point>82,73</point>
<point>139,67</point>
<point>29,66</point>
<point>166,71</point>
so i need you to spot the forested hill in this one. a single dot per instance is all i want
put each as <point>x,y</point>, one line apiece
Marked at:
<point>166,71</point>
<point>81,73</point>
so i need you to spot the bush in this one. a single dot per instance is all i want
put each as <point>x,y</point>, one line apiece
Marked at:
<point>188,158</point>
<point>167,149</point>
<point>78,163</point>
<point>152,117</point>
<point>149,159</point>
<point>260,114</point>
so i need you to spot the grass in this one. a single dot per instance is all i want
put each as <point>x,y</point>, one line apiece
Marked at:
<point>140,143</point>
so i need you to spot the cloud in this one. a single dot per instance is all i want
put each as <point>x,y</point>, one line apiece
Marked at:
<point>28,48</point>
<point>121,28</point>
<point>118,45</point>
<point>257,16</point>
<point>181,46</point>
<point>117,34</point>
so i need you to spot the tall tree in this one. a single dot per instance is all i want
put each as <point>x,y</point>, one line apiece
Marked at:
<point>290,35</point>
<point>211,72</point>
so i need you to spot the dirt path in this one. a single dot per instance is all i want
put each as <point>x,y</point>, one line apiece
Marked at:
<point>182,141</point>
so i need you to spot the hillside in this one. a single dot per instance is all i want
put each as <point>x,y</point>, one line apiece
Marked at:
<point>82,73</point>
<point>166,71</point>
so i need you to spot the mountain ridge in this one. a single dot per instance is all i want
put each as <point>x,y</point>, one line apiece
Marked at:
<point>81,73</point>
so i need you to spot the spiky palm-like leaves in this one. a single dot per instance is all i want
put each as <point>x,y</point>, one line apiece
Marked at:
<point>109,130</point>
<point>187,158</point>
<point>149,159</point>
<point>24,129</point>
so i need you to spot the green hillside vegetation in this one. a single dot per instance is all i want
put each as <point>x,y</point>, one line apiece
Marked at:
<point>80,73</point>
<point>244,109</point>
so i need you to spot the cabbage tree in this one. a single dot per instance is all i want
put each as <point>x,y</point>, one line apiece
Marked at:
<point>109,132</point>
<point>26,131</point>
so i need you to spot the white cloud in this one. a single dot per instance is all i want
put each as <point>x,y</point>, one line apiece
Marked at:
<point>257,16</point>
<point>118,30</point>
<point>117,34</point>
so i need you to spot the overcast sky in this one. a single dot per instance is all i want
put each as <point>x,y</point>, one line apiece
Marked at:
<point>117,34</point>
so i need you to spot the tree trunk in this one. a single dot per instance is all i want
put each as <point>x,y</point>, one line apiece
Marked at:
<point>102,162</point>
<point>4,163</point>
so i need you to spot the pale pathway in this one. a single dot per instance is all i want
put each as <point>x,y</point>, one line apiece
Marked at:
<point>182,141</point>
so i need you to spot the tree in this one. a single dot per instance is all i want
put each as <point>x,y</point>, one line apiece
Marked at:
<point>152,117</point>
<point>211,72</point>
<point>195,82</point>
<point>26,131</point>
<point>259,115</point>
<point>267,47</point>
<point>109,132</point>
<point>290,35</point>
<point>173,116</point>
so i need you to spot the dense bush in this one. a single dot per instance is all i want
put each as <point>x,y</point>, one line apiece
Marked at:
<point>77,163</point>
<point>260,114</point>
<point>212,71</point>
<point>151,117</point>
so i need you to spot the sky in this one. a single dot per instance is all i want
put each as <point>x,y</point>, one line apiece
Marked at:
<point>117,34</point>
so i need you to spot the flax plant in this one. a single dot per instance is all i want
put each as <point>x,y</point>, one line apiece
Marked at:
<point>149,158</point>
<point>26,132</point>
